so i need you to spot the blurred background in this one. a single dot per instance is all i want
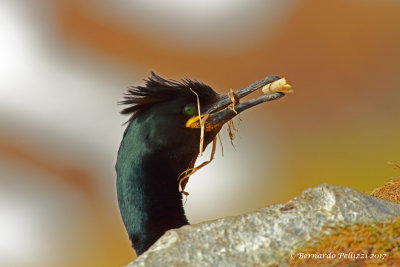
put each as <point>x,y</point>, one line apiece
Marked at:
<point>65,64</point>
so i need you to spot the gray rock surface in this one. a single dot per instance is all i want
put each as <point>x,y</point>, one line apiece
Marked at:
<point>267,236</point>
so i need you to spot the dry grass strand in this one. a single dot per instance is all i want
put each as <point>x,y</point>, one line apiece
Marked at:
<point>184,176</point>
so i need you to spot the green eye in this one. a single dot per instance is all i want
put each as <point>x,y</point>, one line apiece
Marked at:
<point>189,110</point>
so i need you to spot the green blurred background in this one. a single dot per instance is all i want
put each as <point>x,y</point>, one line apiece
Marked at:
<point>65,64</point>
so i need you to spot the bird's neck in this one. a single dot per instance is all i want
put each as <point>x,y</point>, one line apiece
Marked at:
<point>148,194</point>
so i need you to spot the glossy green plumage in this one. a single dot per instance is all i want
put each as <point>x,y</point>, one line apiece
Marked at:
<point>155,150</point>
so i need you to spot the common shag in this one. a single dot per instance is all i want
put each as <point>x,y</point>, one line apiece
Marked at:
<point>160,143</point>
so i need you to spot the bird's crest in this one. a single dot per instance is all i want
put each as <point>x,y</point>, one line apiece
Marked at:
<point>158,89</point>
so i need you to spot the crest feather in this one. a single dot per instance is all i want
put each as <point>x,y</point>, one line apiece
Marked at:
<point>158,89</point>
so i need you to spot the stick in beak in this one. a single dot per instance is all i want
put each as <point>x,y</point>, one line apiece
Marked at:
<point>272,86</point>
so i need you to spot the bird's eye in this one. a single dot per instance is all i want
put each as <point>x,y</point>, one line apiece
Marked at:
<point>189,110</point>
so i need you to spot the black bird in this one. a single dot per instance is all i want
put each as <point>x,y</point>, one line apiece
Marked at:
<point>160,142</point>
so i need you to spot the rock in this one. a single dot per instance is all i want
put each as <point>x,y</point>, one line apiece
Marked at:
<point>269,235</point>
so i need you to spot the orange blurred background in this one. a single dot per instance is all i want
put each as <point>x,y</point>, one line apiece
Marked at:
<point>65,65</point>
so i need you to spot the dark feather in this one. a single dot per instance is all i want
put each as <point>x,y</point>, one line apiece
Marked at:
<point>158,89</point>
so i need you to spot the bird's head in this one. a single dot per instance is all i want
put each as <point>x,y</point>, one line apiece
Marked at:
<point>163,107</point>
<point>167,113</point>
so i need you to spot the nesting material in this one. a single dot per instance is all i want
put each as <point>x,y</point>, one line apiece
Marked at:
<point>365,244</point>
<point>235,100</point>
<point>201,122</point>
<point>222,147</point>
<point>231,130</point>
<point>390,190</point>
<point>278,86</point>
<point>184,176</point>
